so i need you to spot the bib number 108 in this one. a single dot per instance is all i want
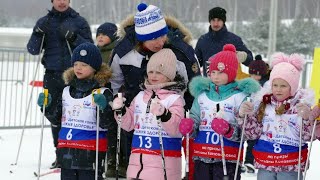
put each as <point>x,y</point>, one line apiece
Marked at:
<point>212,138</point>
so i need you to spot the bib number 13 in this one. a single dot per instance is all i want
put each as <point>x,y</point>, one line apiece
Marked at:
<point>146,142</point>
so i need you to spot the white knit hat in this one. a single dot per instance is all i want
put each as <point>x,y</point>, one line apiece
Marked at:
<point>149,23</point>
<point>165,62</point>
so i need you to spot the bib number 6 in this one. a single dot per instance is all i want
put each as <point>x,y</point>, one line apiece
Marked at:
<point>146,142</point>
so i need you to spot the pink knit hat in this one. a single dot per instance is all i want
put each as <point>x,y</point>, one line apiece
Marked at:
<point>287,68</point>
<point>165,62</point>
<point>225,61</point>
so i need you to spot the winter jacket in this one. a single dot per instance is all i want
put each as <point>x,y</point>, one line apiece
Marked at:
<point>56,56</point>
<point>205,109</point>
<point>145,159</point>
<point>106,51</point>
<point>278,135</point>
<point>129,65</point>
<point>81,157</point>
<point>212,42</point>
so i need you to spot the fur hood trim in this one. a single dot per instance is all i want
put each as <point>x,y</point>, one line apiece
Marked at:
<point>171,21</point>
<point>102,76</point>
<point>200,84</point>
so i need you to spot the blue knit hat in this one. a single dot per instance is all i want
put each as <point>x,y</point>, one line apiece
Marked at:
<point>108,29</point>
<point>89,54</point>
<point>149,23</point>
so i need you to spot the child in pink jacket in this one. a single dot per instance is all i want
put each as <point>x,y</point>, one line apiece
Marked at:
<point>160,101</point>
<point>275,117</point>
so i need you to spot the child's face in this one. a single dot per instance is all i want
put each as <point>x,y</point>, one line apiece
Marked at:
<point>103,40</point>
<point>219,78</point>
<point>155,45</point>
<point>256,77</point>
<point>155,77</point>
<point>83,70</point>
<point>280,89</point>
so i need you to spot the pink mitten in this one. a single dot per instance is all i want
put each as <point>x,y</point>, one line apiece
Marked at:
<point>303,110</point>
<point>315,113</point>
<point>222,127</point>
<point>117,103</point>
<point>156,107</point>
<point>318,131</point>
<point>186,126</point>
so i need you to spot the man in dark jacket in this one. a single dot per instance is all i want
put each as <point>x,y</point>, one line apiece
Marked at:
<point>61,30</point>
<point>212,42</point>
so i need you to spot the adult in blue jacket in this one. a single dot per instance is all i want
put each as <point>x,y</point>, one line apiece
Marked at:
<point>63,29</point>
<point>212,42</point>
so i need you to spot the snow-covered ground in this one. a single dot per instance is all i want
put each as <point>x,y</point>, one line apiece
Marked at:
<point>28,159</point>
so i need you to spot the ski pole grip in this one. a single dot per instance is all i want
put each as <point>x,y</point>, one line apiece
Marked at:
<point>46,93</point>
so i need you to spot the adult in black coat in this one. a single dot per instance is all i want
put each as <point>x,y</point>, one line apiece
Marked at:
<point>63,29</point>
<point>212,42</point>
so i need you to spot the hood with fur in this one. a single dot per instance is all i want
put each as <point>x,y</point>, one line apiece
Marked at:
<point>126,28</point>
<point>102,76</point>
<point>201,84</point>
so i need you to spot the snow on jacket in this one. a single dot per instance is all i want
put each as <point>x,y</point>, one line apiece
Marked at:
<point>56,56</point>
<point>129,62</point>
<point>212,42</point>
<point>145,159</point>
<point>230,96</point>
<point>278,134</point>
<point>81,158</point>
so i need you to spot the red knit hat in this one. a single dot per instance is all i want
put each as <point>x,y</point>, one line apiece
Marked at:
<point>258,66</point>
<point>225,61</point>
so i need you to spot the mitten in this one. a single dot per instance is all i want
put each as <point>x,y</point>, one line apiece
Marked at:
<point>43,27</point>
<point>245,108</point>
<point>118,103</point>
<point>303,110</point>
<point>186,126</point>
<point>41,98</point>
<point>242,56</point>
<point>315,113</point>
<point>318,131</point>
<point>157,108</point>
<point>222,127</point>
<point>68,32</point>
<point>100,100</point>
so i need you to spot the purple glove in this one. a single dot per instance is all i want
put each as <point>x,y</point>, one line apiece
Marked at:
<point>222,127</point>
<point>186,126</point>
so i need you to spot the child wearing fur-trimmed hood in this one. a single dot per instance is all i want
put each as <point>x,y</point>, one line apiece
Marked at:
<point>275,117</point>
<point>214,110</point>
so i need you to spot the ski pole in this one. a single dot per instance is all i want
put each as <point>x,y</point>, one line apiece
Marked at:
<point>312,136</point>
<point>187,156</point>
<point>119,116</point>
<point>161,149</point>
<point>30,98</point>
<point>223,157</point>
<point>300,147</point>
<point>45,91</point>
<point>69,48</point>
<point>241,144</point>
<point>97,139</point>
